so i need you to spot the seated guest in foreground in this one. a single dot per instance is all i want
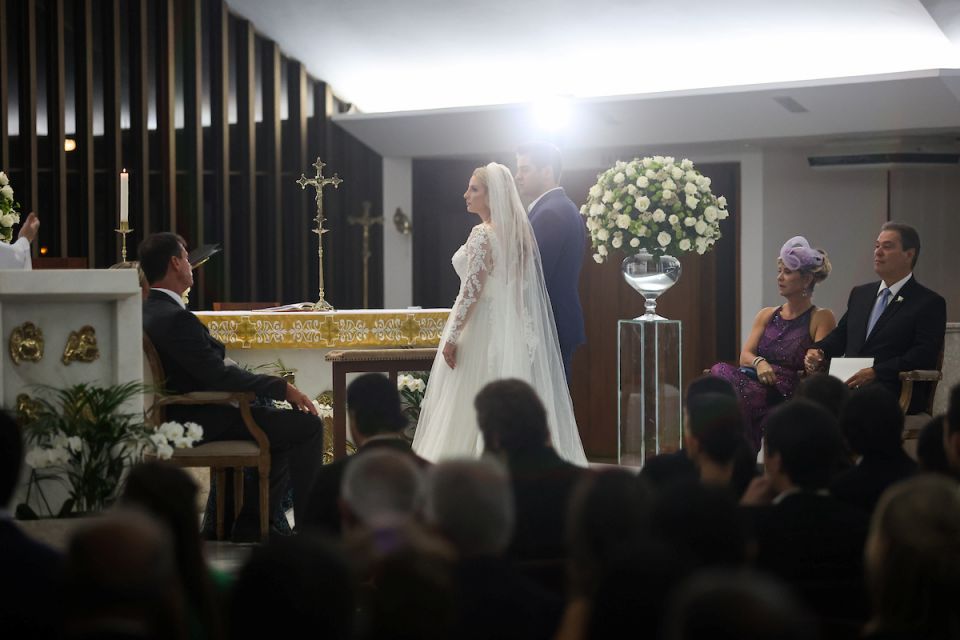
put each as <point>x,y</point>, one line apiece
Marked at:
<point>913,561</point>
<point>772,356</point>
<point>377,422</point>
<point>825,390</point>
<point>951,431</point>
<point>931,456</point>
<point>898,322</point>
<point>31,571</point>
<point>513,422</point>
<point>714,441</point>
<point>804,535</point>
<point>872,424</point>
<point>193,360</point>
<point>382,490</point>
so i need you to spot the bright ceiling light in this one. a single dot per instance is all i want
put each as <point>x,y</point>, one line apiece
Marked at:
<point>552,114</point>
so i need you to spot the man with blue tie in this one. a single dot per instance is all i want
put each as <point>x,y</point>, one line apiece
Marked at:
<point>898,322</point>
<point>561,236</point>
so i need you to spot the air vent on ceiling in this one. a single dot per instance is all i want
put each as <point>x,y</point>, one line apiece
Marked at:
<point>884,160</point>
<point>790,104</point>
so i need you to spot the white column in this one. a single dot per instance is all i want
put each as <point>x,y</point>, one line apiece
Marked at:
<point>753,254</point>
<point>397,247</point>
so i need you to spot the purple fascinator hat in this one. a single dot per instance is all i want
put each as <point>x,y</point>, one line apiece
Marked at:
<point>797,254</point>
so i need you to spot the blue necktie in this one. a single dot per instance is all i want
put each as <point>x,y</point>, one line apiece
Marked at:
<point>878,308</point>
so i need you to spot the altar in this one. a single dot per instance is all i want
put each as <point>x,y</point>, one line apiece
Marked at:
<point>299,340</point>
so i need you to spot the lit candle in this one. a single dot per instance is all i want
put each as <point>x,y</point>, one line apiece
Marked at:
<point>124,193</point>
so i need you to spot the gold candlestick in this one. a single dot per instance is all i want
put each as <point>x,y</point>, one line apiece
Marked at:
<point>318,182</point>
<point>123,231</point>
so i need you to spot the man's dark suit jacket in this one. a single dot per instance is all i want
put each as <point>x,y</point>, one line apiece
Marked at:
<point>322,509</point>
<point>562,237</point>
<point>30,582</point>
<point>908,335</point>
<point>193,361</point>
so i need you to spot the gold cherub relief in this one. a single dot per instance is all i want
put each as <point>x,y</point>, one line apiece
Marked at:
<point>28,409</point>
<point>26,343</point>
<point>81,346</point>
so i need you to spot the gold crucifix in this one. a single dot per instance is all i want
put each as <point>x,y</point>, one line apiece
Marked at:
<point>318,182</point>
<point>366,222</point>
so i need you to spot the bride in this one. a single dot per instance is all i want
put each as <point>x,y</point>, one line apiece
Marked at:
<point>501,326</point>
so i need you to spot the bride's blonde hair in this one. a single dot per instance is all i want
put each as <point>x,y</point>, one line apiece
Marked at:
<point>481,174</point>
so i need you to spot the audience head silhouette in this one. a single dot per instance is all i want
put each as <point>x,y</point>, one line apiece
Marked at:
<point>803,446</point>
<point>511,417</point>
<point>825,390</point>
<point>931,455</point>
<point>714,426</point>
<point>872,422</point>
<point>381,489</point>
<point>374,406</point>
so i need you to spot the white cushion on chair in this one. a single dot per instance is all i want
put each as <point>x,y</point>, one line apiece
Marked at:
<point>222,448</point>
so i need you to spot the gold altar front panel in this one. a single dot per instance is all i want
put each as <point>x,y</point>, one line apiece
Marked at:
<point>381,328</point>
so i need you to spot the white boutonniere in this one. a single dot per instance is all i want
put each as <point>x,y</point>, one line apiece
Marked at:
<point>899,298</point>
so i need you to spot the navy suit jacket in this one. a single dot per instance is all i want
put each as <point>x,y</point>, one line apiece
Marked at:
<point>562,237</point>
<point>908,335</point>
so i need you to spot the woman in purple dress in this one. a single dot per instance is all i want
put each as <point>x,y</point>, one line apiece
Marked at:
<point>772,357</point>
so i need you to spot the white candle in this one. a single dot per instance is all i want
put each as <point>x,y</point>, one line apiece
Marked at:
<point>124,194</point>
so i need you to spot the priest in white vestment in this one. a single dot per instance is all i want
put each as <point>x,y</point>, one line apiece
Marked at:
<point>17,254</point>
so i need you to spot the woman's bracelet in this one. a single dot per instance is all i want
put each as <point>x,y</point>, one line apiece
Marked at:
<point>758,360</point>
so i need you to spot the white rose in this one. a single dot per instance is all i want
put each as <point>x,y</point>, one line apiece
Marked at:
<point>686,164</point>
<point>194,431</point>
<point>602,235</point>
<point>676,173</point>
<point>704,184</point>
<point>591,224</point>
<point>663,238</point>
<point>170,430</point>
<point>617,206</point>
<point>632,189</point>
<point>631,170</point>
<point>607,196</point>
<point>164,451</point>
<point>596,209</point>
<point>583,210</point>
<point>602,250</point>
<point>596,191</point>
<point>692,202</point>
<point>667,195</point>
<point>643,182</point>
<point>7,192</point>
<point>649,174</point>
<point>619,178</point>
<point>659,215</point>
<point>690,189</point>
<point>722,215</point>
<point>643,203</point>
<point>721,202</point>
<point>4,180</point>
<point>669,184</point>
<point>673,219</point>
<point>669,160</point>
<point>620,164</point>
<point>635,242</point>
<point>692,176</point>
<point>7,220</point>
<point>59,456</point>
<point>710,213</point>
<point>157,439</point>
<point>182,442</point>
<point>642,230</point>
<point>617,241</point>
<point>598,258</point>
<point>36,458</point>
<point>684,244</point>
<point>647,163</point>
<point>689,221</point>
<point>421,385</point>
<point>701,227</point>
<point>658,159</point>
<point>623,221</point>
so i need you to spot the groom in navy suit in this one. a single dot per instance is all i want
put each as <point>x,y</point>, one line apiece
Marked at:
<point>561,236</point>
<point>898,322</point>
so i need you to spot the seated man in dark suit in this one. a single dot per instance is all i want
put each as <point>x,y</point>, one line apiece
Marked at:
<point>806,536</point>
<point>193,360</point>
<point>898,322</point>
<point>872,423</point>
<point>377,422</point>
<point>31,576</point>
<point>514,426</point>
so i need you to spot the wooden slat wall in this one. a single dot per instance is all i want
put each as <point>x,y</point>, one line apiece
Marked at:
<point>142,48</point>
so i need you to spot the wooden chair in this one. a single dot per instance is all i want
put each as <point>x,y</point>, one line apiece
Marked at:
<point>915,422</point>
<point>243,306</point>
<point>217,456</point>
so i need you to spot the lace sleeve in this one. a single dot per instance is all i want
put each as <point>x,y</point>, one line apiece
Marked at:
<point>479,265</point>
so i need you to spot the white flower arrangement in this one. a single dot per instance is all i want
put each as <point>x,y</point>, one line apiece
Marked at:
<point>412,388</point>
<point>323,410</point>
<point>9,216</point>
<point>653,203</point>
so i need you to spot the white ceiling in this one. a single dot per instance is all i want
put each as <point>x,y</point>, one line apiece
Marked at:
<point>458,76</point>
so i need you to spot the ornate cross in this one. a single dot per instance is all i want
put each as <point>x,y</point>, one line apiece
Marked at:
<point>318,182</point>
<point>366,222</point>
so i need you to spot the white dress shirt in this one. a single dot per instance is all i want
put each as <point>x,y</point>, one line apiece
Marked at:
<point>173,295</point>
<point>894,288</point>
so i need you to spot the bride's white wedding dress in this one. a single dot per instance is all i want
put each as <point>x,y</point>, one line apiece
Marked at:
<point>503,326</point>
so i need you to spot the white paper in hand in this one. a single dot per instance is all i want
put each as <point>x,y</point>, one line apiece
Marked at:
<point>844,368</point>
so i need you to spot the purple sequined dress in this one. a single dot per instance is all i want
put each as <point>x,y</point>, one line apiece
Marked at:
<point>784,344</point>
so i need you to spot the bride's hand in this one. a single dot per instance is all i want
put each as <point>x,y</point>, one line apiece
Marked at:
<point>450,354</point>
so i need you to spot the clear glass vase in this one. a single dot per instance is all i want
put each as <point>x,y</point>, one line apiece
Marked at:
<point>651,275</point>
